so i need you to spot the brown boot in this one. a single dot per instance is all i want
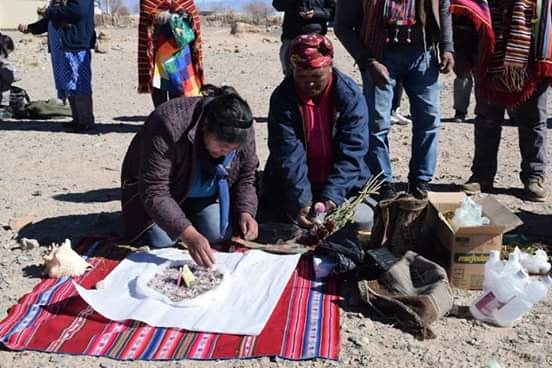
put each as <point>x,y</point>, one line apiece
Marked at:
<point>533,189</point>
<point>476,184</point>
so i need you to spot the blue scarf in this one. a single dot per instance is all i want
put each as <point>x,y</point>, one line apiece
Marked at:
<point>221,175</point>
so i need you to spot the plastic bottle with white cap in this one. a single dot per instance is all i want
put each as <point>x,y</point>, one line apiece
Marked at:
<point>533,292</point>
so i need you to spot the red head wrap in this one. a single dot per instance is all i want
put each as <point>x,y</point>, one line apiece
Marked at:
<point>311,51</point>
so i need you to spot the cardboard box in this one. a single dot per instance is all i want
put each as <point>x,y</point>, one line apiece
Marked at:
<point>468,248</point>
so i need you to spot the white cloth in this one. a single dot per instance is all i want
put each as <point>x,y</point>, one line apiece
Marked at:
<point>256,282</point>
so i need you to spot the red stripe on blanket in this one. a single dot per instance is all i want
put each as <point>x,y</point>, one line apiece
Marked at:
<point>53,318</point>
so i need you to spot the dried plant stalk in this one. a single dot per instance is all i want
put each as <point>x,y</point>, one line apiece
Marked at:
<point>345,213</point>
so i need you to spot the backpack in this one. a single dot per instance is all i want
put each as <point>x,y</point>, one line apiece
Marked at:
<point>18,99</point>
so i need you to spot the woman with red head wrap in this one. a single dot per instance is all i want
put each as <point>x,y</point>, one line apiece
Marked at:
<point>317,135</point>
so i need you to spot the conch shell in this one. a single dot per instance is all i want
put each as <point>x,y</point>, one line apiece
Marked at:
<point>64,261</point>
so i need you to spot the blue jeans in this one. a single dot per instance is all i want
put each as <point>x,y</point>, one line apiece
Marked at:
<point>204,213</point>
<point>418,70</point>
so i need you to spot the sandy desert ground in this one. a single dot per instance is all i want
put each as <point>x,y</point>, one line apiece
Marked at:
<point>70,183</point>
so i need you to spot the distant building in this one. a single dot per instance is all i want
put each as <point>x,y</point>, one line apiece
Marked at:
<point>15,12</point>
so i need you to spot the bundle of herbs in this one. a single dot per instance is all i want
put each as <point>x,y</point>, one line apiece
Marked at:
<point>342,215</point>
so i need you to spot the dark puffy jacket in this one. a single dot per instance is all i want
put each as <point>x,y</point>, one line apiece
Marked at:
<point>158,169</point>
<point>294,25</point>
<point>76,21</point>
<point>285,182</point>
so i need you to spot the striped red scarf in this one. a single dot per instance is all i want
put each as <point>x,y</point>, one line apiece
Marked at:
<point>146,48</point>
<point>512,25</point>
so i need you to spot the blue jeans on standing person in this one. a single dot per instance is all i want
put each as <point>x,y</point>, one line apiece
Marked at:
<point>204,213</point>
<point>418,70</point>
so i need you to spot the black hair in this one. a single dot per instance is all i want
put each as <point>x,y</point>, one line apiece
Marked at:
<point>227,115</point>
<point>6,44</point>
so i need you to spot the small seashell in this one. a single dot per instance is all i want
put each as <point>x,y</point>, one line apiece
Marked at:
<point>28,244</point>
<point>64,261</point>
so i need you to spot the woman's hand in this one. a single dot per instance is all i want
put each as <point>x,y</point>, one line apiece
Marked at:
<point>198,246</point>
<point>23,28</point>
<point>248,226</point>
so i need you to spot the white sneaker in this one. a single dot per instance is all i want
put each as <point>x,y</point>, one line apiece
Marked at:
<point>397,118</point>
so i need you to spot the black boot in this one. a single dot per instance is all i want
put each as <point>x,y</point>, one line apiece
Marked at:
<point>83,114</point>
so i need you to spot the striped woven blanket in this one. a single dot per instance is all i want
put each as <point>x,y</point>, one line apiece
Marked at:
<point>53,318</point>
<point>515,49</point>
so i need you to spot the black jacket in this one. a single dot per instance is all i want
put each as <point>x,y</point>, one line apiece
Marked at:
<point>294,25</point>
<point>76,20</point>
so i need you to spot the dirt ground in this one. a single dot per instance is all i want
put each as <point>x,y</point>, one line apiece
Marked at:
<point>70,182</point>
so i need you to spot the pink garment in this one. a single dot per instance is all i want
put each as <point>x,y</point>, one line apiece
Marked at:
<point>317,124</point>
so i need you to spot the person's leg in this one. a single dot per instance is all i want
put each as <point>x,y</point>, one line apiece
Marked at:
<point>421,83</point>
<point>284,57</point>
<point>85,112</point>
<point>364,215</point>
<point>155,237</point>
<point>397,96</point>
<point>74,111</point>
<point>158,96</point>
<point>379,100</point>
<point>531,117</point>
<point>80,86</point>
<point>462,88</point>
<point>204,213</point>
<point>487,132</point>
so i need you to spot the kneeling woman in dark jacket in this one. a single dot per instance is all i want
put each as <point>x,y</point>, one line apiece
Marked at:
<point>189,174</point>
<point>317,135</point>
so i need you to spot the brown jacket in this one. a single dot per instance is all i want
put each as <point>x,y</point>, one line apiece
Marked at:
<point>158,170</point>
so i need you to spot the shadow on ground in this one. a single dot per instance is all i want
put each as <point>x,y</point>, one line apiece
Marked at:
<point>131,118</point>
<point>63,127</point>
<point>507,122</point>
<point>451,187</point>
<point>92,196</point>
<point>536,226</point>
<point>74,227</point>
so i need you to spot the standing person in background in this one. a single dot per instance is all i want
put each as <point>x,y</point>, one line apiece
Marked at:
<point>512,74</point>
<point>302,17</point>
<point>394,40</point>
<point>71,35</point>
<point>465,45</point>
<point>7,75</point>
<point>156,43</point>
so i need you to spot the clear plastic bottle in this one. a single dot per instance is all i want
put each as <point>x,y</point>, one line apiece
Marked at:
<point>500,292</point>
<point>493,269</point>
<point>513,265</point>
<point>533,292</point>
